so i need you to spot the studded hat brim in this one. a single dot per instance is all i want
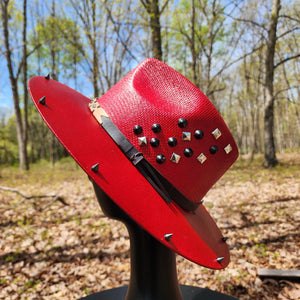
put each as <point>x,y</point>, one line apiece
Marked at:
<point>194,235</point>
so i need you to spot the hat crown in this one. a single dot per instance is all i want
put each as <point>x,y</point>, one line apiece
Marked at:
<point>154,93</point>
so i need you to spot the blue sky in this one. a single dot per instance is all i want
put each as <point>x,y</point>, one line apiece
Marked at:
<point>6,103</point>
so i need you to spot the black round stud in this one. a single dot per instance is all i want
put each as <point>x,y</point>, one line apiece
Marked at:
<point>154,142</point>
<point>160,158</point>
<point>182,122</point>
<point>213,149</point>
<point>198,134</point>
<point>137,129</point>
<point>188,152</point>
<point>172,142</point>
<point>156,128</point>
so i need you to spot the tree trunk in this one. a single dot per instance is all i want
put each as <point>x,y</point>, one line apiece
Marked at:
<point>54,74</point>
<point>155,30</point>
<point>193,50</point>
<point>270,159</point>
<point>95,51</point>
<point>152,8</point>
<point>25,90</point>
<point>14,87</point>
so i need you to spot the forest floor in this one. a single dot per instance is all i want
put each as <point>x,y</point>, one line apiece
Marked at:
<point>56,251</point>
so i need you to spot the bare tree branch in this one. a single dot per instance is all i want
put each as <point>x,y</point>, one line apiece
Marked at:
<point>117,31</point>
<point>284,90</point>
<point>246,21</point>
<point>290,18</point>
<point>54,196</point>
<point>146,4</point>
<point>286,59</point>
<point>226,66</point>
<point>164,6</point>
<point>215,90</point>
<point>27,55</point>
<point>287,32</point>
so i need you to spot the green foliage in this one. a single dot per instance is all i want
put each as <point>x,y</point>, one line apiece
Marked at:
<point>9,258</point>
<point>63,171</point>
<point>39,138</point>
<point>58,43</point>
<point>30,284</point>
<point>15,16</point>
<point>8,142</point>
<point>261,249</point>
<point>210,40</point>
<point>87,290</point>
<point>287,168</point>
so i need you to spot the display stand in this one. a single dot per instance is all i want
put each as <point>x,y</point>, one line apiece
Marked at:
<point>153,266</point>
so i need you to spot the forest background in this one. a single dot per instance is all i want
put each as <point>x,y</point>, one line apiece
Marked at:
<point>244,55</point>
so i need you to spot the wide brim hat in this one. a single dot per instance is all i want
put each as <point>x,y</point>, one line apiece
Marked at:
<point>155,145</point>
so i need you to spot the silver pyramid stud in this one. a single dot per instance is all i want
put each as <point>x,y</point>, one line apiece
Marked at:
<point>228,149</point>
<point>220,259</point>
<point>216,133</point>
<point>47,76</point>
<point>202,201</point>
<point>95,168</point>
<point>224,239</point>
<point>142,141</point>
<point>186,136</point>
<point>201,158</point>
<point>175,158</point>
<point>168,236</point>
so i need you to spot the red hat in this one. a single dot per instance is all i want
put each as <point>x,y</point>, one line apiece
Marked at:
<point>155,145</point>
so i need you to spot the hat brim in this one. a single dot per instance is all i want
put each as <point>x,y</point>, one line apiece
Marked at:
<point>66,112</point>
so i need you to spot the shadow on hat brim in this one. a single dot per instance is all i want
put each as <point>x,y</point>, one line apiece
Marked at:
<point>195,235</point>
